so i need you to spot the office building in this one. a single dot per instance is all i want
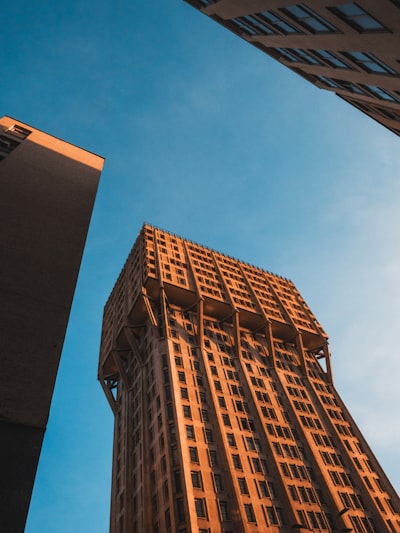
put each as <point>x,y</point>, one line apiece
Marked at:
<point>47,191</point>
<point>349,48</point>
<point>226,416</point>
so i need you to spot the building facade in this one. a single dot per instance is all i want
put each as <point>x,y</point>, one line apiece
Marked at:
<point>226,416</point>
<point>47,192</point>
<point>349,48</point>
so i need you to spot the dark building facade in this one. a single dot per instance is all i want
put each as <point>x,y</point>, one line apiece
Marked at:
<point>47,192</point>
<point>349,48</point>
<point>226,416</point>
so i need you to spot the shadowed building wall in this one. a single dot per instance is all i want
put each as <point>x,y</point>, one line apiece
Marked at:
<point>226,416</point>
<point>47,191</point>
<point>349,48</point>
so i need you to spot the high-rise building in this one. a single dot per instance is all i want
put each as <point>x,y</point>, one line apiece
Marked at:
<point>226,416</point>
<point>47,191</point>
<point>349,48</point>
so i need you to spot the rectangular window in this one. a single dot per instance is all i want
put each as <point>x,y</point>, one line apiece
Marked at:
<point>19,131</point>
<point>256,465</point>
<point>213,457</point>
<point>208,435</point>
<point>278,23</point>
<point>200,505</point>
<point>357,18</point>
<point>226,420</point>
<point>184,393</point>
<point>248,509</point>
<point>221,402</point>
<point>190,432</point>
<point>218,482</point>
<point>243,485</point>
<point>204,415</point>
<point>332,59</point>
<point>370,63</point>
<point>187,413</point>
<point>231,439</point>
<point>237,462</point>
<point>7,145</point>
<point>196,479</point>
<point>223,510</point>
<point>263,489</point>
<point>382,94</point>
<point>272,518</point>
<point>194,456</point>
<point>307,18</point>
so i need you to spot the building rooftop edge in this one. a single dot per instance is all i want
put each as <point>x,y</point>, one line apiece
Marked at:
<point>51,135</point>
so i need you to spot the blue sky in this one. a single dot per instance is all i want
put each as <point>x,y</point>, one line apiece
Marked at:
<point>208,138</point>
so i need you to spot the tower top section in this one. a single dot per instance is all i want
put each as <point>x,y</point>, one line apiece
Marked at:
<point>186,273</point>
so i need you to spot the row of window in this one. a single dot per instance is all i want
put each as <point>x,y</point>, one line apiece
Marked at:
<point>358,88</point>
<point>367,61</point>
<point>269,22</point>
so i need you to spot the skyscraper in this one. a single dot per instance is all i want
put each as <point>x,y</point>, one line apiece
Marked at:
<point>349,48</point>
<point>47,192</point>
<point>226,416</point>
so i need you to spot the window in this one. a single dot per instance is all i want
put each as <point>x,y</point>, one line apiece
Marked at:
<point>248,509</point>
<point>184,393</point>
<point>243,485</point>
<point>226,420</point>
<point>7,145</point>
<point>252,25</point>
<point>196,479</point>
<point>194,456</point>
<point>250,443</point>
<point>237,462</point>
<point>180,510</point>
<point>256,464</point>
<point>221,402</point>
<point>19,131</point>
<point>213,457</point>
<point>182,377</point>
<point>356,17</point>
<point>331,59</point>
<point>370,63</point>
<point>263,488</point>
<point>204,415</point>
<point>382,94</point>
<point>278,23</point>
<point>218,482</point>
<point>223,510</point>
<point>245,26</point>
<point>208,435</point>
<point>190,432</point>
<point>309,19</point>
<point>231,439</point>
<point>187,413</point>
<point>272,518</point>
<point>200,505</point>
<point>217,385</point>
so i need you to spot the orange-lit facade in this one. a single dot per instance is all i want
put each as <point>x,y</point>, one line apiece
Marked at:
<point>350,48</point>
<point>226,417</point>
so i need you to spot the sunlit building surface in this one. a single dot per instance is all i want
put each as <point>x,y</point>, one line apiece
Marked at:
<point>226,417</point>
<point>350,48</point>
<point>47,191</point>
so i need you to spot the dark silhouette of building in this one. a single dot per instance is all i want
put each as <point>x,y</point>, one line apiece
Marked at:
<point>226,416</point>
<point>349,48</point>
<point>47,191</point>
